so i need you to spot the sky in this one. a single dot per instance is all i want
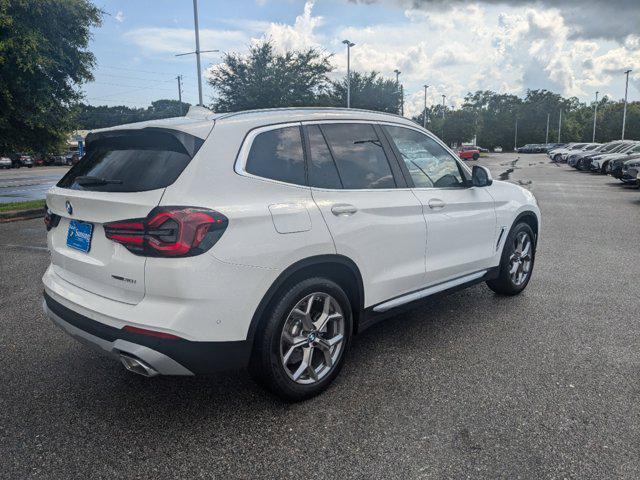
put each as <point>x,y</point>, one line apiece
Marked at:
<point>572,47</point>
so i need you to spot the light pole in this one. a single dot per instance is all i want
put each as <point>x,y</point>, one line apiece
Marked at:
<point>424,118</point>
<point>624,112</point>
<point>197,51</point>
<point>179,77</point>
<point>195,23</point>
<point>546,137</point>
<point>443,107</point>
<point>515,138</point>
<point>595,114</point>
<point>349,45</point>
<point>559,125</point>
<point>398,72</point>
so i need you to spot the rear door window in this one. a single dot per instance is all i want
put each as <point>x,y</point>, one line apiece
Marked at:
<point>131,161</point>
<point>277,154</point>
<point>322,169</point>
<point>359,155</point>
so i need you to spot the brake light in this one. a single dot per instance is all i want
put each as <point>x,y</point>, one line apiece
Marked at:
<point>169,232</point>
<point>51,220</point>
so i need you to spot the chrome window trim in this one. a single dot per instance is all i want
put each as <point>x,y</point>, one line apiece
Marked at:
<point>243,154</point>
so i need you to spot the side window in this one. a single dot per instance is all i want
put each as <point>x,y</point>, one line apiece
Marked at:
<point>322,169</point>
<point>429,164</point>
<point>278,155</point>
<point>359,155</point>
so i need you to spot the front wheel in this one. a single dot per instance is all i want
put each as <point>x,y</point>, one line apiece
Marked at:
<point>301,344</point>
<point>476,156</point>
<point>517,260</point>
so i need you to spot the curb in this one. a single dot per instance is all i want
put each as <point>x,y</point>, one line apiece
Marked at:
<point>15,215</point>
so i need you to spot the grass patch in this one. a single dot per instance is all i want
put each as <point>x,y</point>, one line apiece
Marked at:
<point>28,205</point>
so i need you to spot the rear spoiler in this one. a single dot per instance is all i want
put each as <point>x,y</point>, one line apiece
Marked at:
<point>173,139</point>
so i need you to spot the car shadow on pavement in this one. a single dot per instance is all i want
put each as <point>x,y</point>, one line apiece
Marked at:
<point>417,335</point>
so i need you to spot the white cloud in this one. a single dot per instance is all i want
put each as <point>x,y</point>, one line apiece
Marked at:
<point>456,50</point>
<point>301,35</point>
<point>119,16</point>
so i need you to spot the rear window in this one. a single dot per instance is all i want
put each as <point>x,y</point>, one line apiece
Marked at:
<point>131,161</point>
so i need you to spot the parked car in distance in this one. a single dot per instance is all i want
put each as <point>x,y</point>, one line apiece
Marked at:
<point>588,150</point>
<point>5,162</point>
<point>630,170</point>
<point>57,160</point>
<point>560,154</point>
<point>270,256</point>
<point>22,160</point>
<point>601,163</point>
<point>497,149</point>
<point>466,152</point>
<point>623,149</point>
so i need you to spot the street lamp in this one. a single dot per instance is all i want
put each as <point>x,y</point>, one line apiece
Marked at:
<point>595,114</point>
<point>398,72</point>
<point>546,137</point>
<point>197,51</point>
<point>443,107</point>
<point>624,112</point>
<point>424,118</point>
<point>349,45</point>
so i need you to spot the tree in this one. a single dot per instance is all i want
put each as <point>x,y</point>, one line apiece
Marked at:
<point>91,117</point>
<point>266,79</point>
<point>43,59</point>
<point>369,91</point>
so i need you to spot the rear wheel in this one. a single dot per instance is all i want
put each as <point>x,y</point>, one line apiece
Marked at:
<point>516,265</point>
<point>301,344</point>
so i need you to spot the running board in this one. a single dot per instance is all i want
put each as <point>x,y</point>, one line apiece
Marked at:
<point>410,297</point>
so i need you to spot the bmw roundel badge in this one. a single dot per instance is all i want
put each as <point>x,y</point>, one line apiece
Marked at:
<point>69,207</point>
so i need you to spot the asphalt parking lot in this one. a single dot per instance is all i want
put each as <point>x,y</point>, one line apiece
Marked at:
<point>19,184</point>
<point>543,385</point>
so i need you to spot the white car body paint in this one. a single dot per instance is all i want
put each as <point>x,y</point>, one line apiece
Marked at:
<point>397,241</point>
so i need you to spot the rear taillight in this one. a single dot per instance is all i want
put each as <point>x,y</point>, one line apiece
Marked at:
<point>169,232</point>
<point>51,220</point>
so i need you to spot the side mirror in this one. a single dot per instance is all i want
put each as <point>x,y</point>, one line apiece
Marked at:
<point>481,176</point>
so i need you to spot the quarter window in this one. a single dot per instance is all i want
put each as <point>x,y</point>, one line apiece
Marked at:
<point>430,165</point>
<point>359,155</point>
<point>278,155</point>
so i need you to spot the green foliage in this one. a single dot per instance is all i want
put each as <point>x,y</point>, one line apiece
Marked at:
<point>492,117</point>
<point>90,117</point>
<point>267,79</point>
<point>43,58</point>
<point>19,206</point>
<point>369,91</point>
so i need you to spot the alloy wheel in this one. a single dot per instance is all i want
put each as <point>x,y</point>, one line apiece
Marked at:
<point>312,338</point>
<point>521,259</point>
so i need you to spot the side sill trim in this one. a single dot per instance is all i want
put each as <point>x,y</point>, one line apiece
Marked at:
<point>396,302</point>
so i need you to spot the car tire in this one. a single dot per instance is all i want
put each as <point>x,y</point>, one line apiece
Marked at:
<point>295,356</point>
<point>517,261</point>
<point>476,156</point>
<point>603,169</point>
<point>557,158</point>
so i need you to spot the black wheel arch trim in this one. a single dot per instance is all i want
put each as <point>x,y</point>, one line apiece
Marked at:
<point>290,271</point>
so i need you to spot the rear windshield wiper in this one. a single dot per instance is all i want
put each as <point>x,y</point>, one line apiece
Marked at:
<point>90,180</point>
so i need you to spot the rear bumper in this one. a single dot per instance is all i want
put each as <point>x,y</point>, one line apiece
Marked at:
<point>165,356</point>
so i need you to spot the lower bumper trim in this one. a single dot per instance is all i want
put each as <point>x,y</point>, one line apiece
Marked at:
<point>166,356</point>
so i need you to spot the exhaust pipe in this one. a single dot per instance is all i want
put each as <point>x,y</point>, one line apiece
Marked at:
<point>136,365</point>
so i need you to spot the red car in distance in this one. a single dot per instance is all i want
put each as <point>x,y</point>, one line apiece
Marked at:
<point>466,152</point>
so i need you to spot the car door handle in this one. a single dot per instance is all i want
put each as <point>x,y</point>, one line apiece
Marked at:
<point>436,204</point>
<point>343,209</point>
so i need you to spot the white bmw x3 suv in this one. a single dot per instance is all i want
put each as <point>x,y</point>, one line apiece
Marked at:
<point>268,239</point>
